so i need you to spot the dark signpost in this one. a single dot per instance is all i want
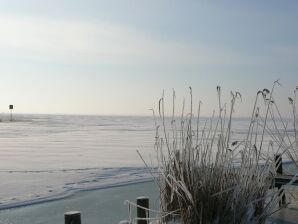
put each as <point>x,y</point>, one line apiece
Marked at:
<point>11,108</point>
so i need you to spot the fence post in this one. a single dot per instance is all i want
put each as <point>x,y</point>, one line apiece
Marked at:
<point>278,167</point>
<point>142,212</point>
<point>72,217</point>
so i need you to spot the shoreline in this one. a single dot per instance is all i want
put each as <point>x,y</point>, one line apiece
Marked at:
<point>70,193</point>
<point>73,191</point>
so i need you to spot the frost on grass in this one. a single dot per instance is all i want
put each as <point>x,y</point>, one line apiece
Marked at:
<point>208,176</point>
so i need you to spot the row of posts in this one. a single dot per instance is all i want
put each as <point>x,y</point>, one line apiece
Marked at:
<point>74,217</point>
<point>143,203</point>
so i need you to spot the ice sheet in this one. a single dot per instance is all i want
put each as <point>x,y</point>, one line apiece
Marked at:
<point>45,157</point>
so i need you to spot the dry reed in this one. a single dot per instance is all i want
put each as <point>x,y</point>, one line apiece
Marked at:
<point>206,178</point>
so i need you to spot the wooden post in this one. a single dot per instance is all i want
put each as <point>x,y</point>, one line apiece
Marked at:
<point>73,217</point>
<point>278,162</point>
<point>141,211</point>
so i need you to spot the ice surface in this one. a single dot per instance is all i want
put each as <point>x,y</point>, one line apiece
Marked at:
<point>104,206</point>
<point>45,157</point>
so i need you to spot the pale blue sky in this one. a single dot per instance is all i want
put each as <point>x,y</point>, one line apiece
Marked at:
<point>116,57</point>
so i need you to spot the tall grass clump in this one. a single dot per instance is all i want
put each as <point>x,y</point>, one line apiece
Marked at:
<point>208,176</point>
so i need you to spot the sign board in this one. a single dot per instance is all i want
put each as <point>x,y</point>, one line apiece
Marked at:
<point>11,107</point>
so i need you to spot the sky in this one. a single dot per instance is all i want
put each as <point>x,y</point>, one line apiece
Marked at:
<point>117,57</point>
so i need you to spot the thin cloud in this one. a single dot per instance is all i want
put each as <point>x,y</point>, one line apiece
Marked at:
<point>102,43</point>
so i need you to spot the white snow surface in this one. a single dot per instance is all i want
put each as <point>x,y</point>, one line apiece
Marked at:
<point>47,157</point>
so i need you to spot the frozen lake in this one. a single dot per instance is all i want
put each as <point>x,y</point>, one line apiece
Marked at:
<point>45,157</point>
<point>50,157</point>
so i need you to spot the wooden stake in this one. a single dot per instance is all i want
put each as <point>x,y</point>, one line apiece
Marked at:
<point>142,212</point>
<point>73,217</point>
